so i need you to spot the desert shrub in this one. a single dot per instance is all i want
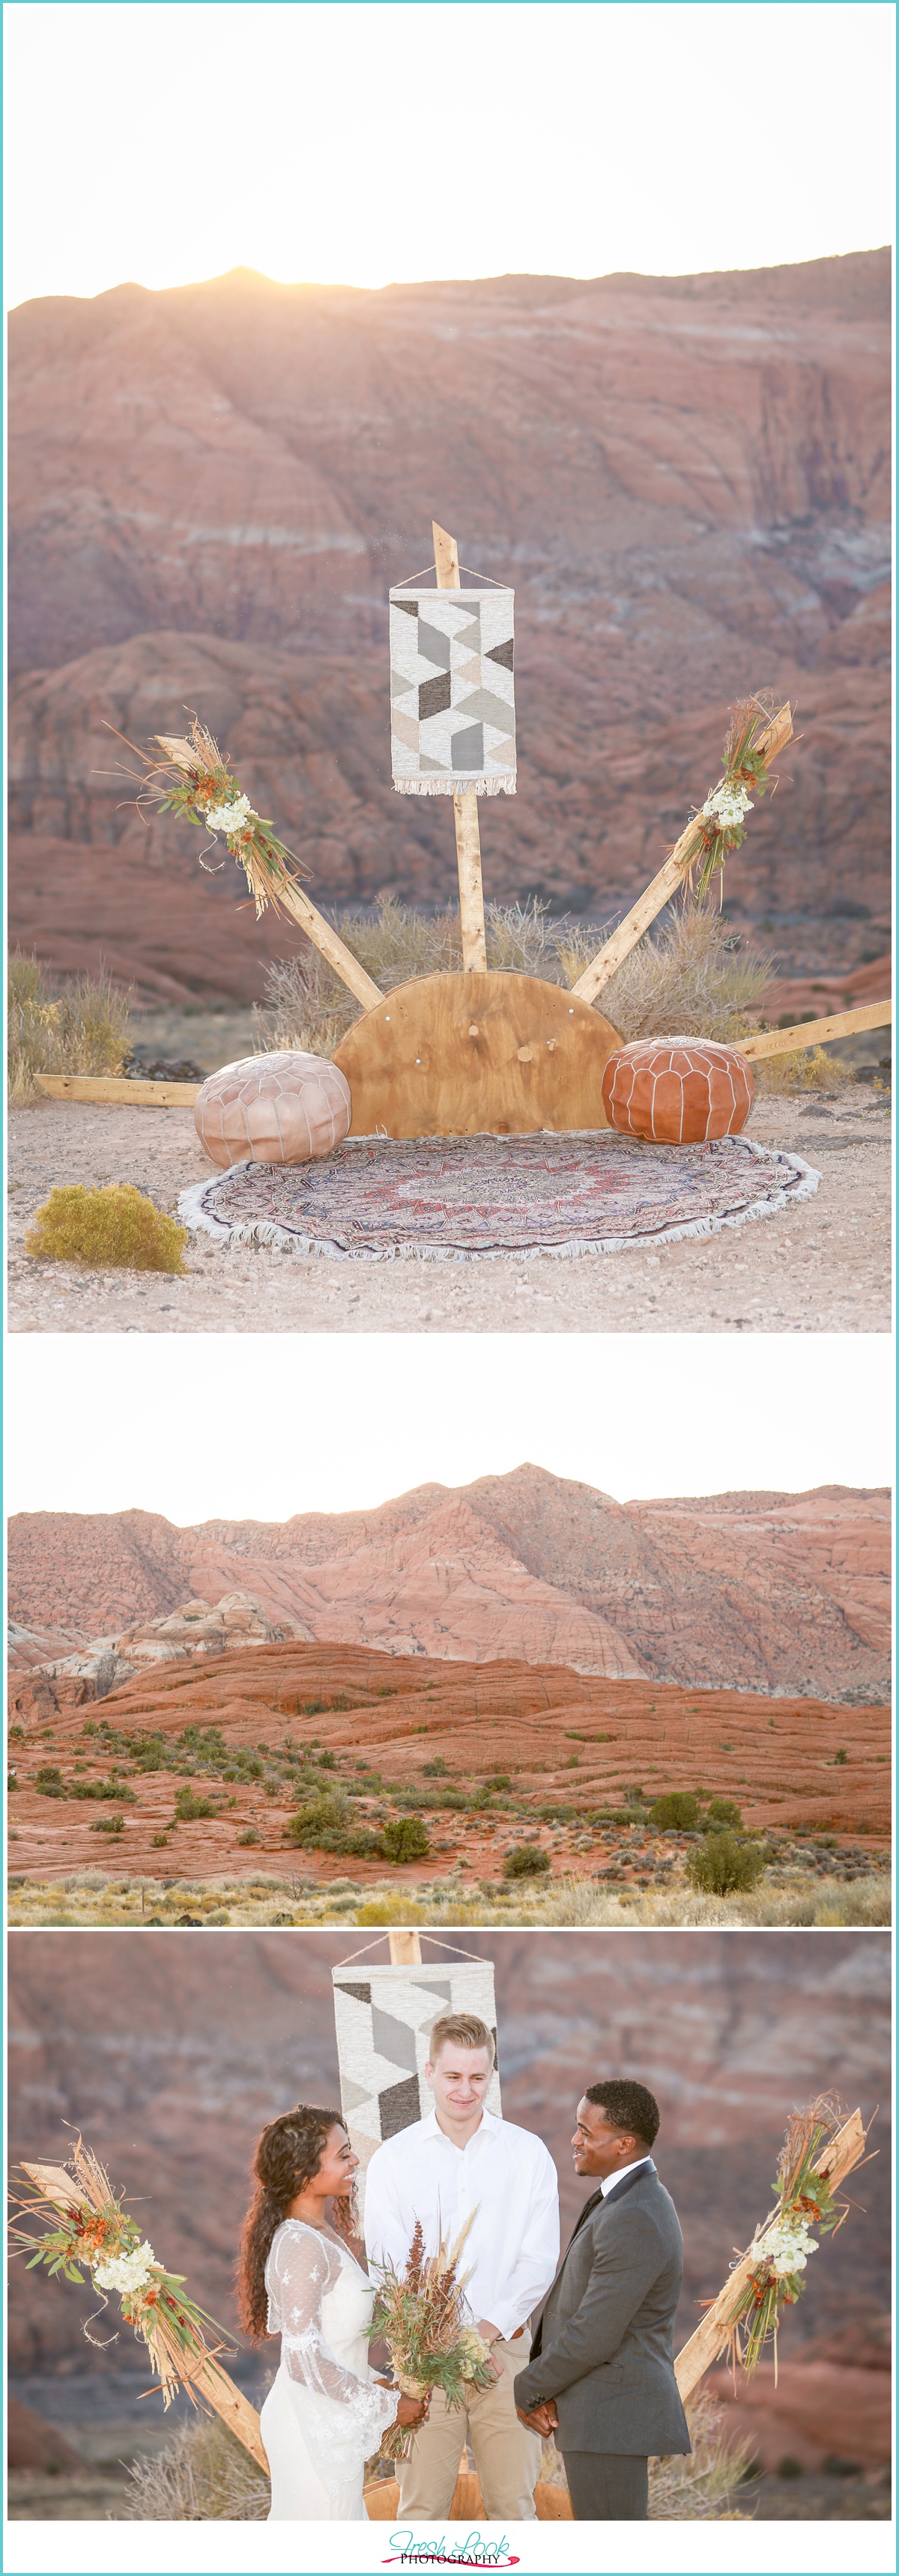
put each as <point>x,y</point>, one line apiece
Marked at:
<point>526,1861</point>
<point>248,1838</point>
<point>109,1789</point>
<point>722,1811</point>
<point>202,2475</point>
<point>721,1864</point>
<point>110,1229</point>
<point>108,1825</point>
<point>701,2486</point>
<point>81,1028</point>
<point>405,1839</point>
<point>193,1811</point>
<point>692,978</point>
<point>48,1781</point>
<point>676,1812</point>
<point>327,1814</point>
<point>810,1069</point>
<point>390,1909</point>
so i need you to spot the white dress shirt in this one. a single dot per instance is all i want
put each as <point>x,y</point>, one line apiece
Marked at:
<point>505,2176</point>
<point>612,2179</point>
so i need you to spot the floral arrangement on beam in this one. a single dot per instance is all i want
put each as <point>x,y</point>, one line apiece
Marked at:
<point>720,824</point>
<point>95,2239</point>
<point>421,2314</point>
<point>779,2254</point>
<point>195,782</point>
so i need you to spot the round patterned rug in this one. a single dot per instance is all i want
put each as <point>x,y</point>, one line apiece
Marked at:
<point>465,1198</point>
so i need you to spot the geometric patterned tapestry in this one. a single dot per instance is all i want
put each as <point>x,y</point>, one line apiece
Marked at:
<point>383,2019</point>
<point>452,694</point>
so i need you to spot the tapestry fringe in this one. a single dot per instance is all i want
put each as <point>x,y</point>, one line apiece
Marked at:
<point>504,786</point>
<point>193,1214</point>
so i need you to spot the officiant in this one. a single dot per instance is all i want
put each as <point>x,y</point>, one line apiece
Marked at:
<point>458,2163</point>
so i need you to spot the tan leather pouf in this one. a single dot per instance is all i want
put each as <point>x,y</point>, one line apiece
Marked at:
<point>283,1108</point>
<point>677,1091</point>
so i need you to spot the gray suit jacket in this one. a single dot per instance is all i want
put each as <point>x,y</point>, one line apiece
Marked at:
<point>605,2345</point>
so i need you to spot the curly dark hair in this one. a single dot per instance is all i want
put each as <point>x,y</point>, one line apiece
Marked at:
<point>287,2158</point>
<point>628,2107</point>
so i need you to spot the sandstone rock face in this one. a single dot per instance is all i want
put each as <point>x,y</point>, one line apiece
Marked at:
<point>786,1594</point>
<point>390,1716</point>
<point>687,480</point>
<point>70,1680</point>
<point>132,2039</point>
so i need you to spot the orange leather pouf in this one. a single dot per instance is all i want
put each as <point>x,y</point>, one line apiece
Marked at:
<point>284,1108</point>
<point>677,1091</point>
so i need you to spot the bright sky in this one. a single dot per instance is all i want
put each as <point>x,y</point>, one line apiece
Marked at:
<point>370,140</point>
<point>259,1427</point>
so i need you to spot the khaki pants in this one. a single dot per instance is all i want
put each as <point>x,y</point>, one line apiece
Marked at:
<point>507,2456</point>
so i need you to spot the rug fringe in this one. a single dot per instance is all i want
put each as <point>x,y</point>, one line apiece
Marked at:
<point>503,786</point>
<point>193,1214</point>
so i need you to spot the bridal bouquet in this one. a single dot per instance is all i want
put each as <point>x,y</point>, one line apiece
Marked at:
<point>194,781</point>
<point>720,825</point>
<point>421,2313</point>
<point>95,2237</point>
<point>783,2245</point>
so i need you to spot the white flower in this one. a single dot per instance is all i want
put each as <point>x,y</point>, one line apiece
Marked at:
<point>788,2245</point>
<point>727,806</point>
<point>126,2272</point>
<point>230,818</point>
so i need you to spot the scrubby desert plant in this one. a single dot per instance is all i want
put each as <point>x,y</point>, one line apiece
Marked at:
<point>526,1861</point>
<point>202,2475</point>
<point>691,978</point>
<point>700,2486</point>
<point>405,1839</point>
<point>83,1027</point>
<point>721,1863</point>
<point>110,1229</point>
<point>722,1811</point>
<point>809,1069</point>
<point>676,1812</point>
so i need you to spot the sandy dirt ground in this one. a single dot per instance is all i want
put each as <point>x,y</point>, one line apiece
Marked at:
<point>823,1266</point>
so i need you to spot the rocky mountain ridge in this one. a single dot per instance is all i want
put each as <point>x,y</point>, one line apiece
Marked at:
<point>776,1593</point>
<point>212,488</point>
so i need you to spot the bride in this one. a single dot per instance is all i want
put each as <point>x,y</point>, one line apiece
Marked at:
<point>297,2277</point>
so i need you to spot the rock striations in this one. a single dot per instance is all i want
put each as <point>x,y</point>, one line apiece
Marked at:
<point>786,1594</point>
<point>687,480</point>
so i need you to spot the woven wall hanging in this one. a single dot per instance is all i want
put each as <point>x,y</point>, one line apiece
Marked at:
<point>383,2019</point>
<point>452,692</point>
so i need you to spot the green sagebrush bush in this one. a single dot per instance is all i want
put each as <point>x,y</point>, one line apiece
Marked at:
<point>110,1229</point>
<point>721,1863</point>
<point>526,1861</point>
<point>405,1839</point>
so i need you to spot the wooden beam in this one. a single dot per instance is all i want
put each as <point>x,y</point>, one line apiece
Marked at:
<point>293,900</point>
<point>844,1024</point>
<point>212,2381</point>
<point>465,808</point>
<point>712,2337</point>
<point>135,1095</point>
<point>771,741</point>
<point>405,1949</point>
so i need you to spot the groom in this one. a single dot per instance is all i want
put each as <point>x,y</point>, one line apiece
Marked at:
<point>601,2369</point>
<point>462,2163</point>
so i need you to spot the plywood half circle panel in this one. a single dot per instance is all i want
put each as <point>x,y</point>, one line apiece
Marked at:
<point>476,1054</point>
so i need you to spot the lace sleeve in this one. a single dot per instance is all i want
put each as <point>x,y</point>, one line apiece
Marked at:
<point>302,2267</point>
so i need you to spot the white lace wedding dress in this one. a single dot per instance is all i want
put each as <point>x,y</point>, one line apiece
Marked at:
<point>325,2414</point>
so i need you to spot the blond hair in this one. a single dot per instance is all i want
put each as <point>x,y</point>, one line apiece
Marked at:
<point>463,2028</point>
